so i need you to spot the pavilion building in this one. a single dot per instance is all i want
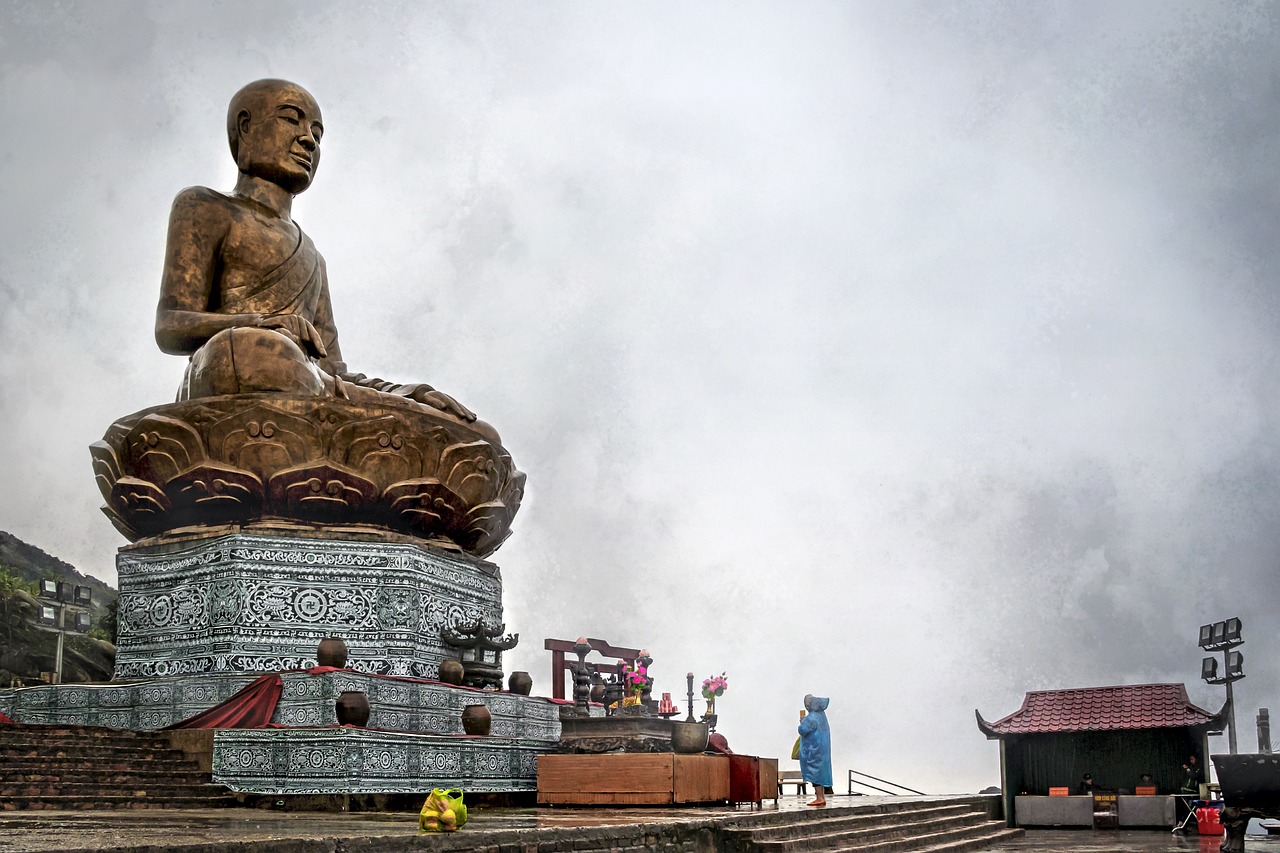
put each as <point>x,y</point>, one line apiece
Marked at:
<point>1116,734</point>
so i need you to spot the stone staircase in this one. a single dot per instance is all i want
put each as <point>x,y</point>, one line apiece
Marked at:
<point>89,767</point>
<point>926,826</point>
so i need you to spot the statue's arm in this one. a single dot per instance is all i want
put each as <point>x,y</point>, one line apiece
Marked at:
<point>198,223</point>
<point>326,330</point>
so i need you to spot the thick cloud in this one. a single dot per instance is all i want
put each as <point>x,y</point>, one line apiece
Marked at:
<point>915,355</point>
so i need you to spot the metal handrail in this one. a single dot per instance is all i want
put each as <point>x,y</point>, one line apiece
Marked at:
<point>852,781</point>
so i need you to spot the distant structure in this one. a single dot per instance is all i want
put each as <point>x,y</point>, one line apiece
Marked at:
<point>1115,733</point>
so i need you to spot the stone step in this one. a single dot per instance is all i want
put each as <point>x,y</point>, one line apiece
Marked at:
<point>19,731</point>
<point>960,838</point>
<point>847,834</point>
<point>92,790</point>
<point>42,776</point>
<point>89,767</point>
<point>1002,833</point>
<point>83,743</point>
<point>32,751</point>
<point>118,802</point>
<point>826,823</point>
<point>94,762</point>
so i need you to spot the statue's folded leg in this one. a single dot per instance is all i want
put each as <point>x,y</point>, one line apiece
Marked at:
<point>249,360</point>
<point>360,393</point>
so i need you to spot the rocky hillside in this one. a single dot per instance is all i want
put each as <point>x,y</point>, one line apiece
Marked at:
<point>26,650</point>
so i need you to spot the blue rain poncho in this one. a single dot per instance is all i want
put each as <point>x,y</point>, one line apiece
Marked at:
<point>815,742</point>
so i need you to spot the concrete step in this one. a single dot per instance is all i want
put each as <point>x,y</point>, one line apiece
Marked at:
<point>97,764</point>
<point>43,776</point>
<point>960,838</point>
<point>1001,833</point>
<point>89,767</point>
<point>18,733</point>
<point>118,802</point>
<point>822,836</point>
<point>826,823</point>
<point>88,790</point>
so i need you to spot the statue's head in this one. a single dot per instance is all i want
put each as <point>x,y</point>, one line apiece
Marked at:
<point>274,128</point>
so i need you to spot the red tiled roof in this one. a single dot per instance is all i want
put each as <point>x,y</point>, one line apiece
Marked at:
<point>1087,709</point>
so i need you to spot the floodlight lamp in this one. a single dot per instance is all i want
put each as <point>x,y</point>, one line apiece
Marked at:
<point>1235,665</point>
<point>1232,630</point>
<point>1206,636</point>
<point>1209,669</point>
<point>84,596</point>
<point>48,589</point>
<point>1219,632</point>
<point>66,591</point>
<point>48,615</point>
<point>83,622</point>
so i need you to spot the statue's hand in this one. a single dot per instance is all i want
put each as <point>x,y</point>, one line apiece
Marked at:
<point>429,396</point>
<point>298,330</point>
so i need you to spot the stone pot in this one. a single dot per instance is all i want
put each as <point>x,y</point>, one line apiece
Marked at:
<point>476,720</point>
<point>332,651</point>
<point>520,682</point>
<point>352,708</point>
<point>451,671</point>
<point>688,738</point>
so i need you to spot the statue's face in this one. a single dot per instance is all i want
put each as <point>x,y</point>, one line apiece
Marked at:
<point>280,138</point>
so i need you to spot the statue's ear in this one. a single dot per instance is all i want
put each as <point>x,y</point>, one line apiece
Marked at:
<point>242,122</point>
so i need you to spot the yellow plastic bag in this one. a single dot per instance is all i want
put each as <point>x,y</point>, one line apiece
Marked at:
<point>795,750</point>
<point>443,811</point>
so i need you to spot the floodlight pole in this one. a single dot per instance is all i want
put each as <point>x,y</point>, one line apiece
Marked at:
<point>62,635</point>
<point>1231,715</point>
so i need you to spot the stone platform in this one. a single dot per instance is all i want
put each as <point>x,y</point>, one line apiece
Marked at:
<point>414,741</point>
<point>347,760</point>
<point>306,700</point>
<point>238,602</point>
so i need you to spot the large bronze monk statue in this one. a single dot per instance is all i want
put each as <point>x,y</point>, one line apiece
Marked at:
<point>269,423</point>
<point>244,291</point>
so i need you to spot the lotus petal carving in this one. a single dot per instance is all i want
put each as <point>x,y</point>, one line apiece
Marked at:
<point>318,461</point>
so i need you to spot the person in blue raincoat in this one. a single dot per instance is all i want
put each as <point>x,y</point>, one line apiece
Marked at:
<point>815,747</point>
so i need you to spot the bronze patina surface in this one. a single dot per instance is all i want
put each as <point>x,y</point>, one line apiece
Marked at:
<point>270,423</point>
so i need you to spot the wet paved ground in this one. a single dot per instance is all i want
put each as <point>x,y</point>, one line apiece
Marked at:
<point>67,831</point>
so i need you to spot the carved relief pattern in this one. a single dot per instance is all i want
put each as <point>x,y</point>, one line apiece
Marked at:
<point>419,707</point>
<point>350,760</point>
<point>238,459</point>
<point>264,603</point>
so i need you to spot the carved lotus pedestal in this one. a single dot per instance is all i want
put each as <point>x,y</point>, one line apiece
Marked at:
<point>309,462</point>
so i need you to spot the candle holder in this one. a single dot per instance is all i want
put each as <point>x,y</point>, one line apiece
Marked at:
<point>690,718</point>
<point>582,679</point>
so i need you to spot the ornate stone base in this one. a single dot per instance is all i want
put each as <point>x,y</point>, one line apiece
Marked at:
<point>242,602</point>
<point>311,755</point>
<point>305,700</point>
<point>350,761</point>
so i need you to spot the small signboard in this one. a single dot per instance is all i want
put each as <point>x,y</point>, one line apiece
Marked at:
<point>1064,791</point>
<point>1106,811</point>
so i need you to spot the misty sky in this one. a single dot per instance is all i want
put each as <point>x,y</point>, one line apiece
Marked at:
<point>915,355</point>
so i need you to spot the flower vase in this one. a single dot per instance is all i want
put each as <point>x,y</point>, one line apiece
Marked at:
<point>711,706</point>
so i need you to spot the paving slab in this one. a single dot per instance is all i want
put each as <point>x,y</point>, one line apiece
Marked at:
<point>265,831</point>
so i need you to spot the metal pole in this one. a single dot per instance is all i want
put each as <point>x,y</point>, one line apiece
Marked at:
<point>57,661</point>
<point>1231,720</point>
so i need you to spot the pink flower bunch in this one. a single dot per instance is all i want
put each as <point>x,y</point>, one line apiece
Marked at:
<point>714,686</point>
<point>635,678</point>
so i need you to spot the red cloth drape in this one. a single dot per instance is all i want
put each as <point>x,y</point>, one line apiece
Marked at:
<point>251,708</point>
<point>6,721</point>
